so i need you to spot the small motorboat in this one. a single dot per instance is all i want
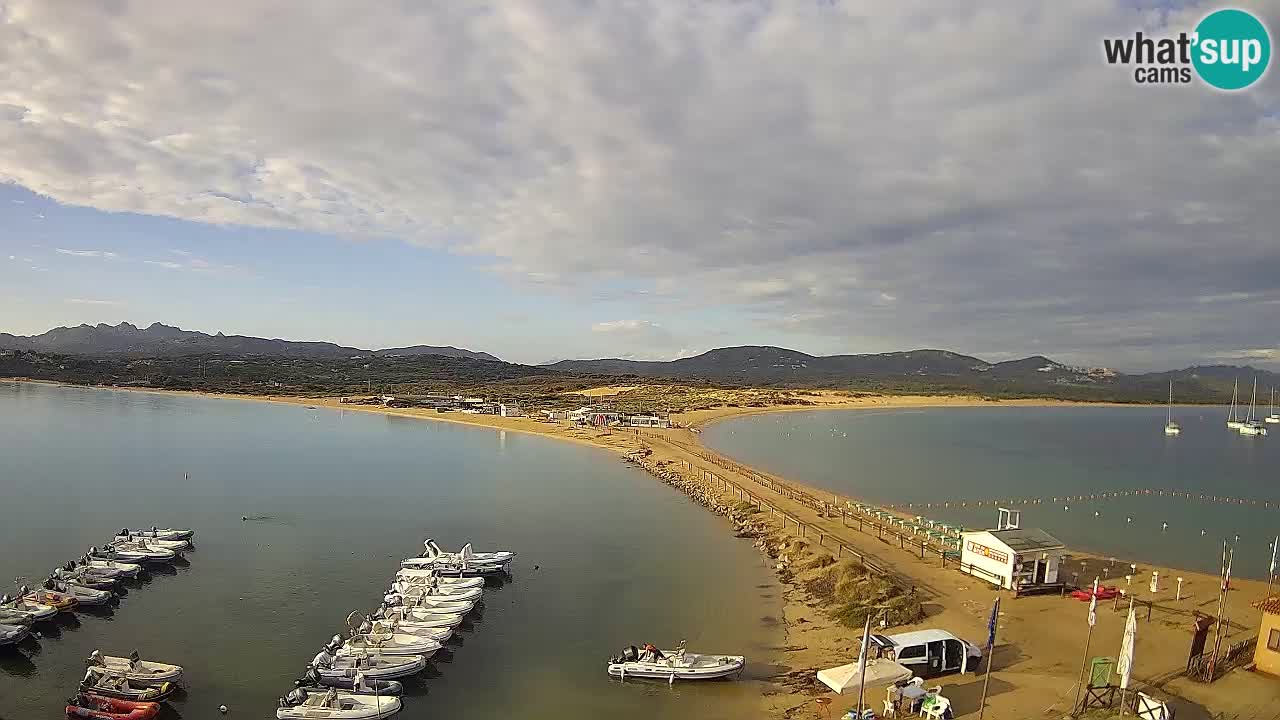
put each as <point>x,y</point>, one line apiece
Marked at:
<point>385,643</point>
<point>98,707</point>
<point>443,593</point>
<point>175,545</point>
<point>427,603</point>
<point>62,602</point>
<point>13,634</point>
<point>139,672</point>
<point>336,705</point>
<point>134,553</point>
<point>672,665</point>
<point>433,555</point>
<point>374,666</point>
<point>84,578</point>
<point>160,533</point>
<point>98,681</point>
<point>425,618</point>
<point>433,631</point>
<point>311,681</point>
<point>35,610</point>
<point>15,617</point>
<point>433,577</point>
<point>110,567</point>
<point>85,596</point>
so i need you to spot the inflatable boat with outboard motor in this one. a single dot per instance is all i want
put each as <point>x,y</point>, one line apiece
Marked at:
<point>115,685</point>
<point>88,706</point>
<point>84,578</point>
<point>142,673</point>
<point>60,601</point>
<point>431,631</point>
<point>37,611</point>
<point>13,634</point>
<point>85,596</point>
<point>427,604</point>
<point>374,666</point>
<point>440,592</point>
<point>334,704</point>
<point>15,617</point>
<point>383,644</point>
<point>433,577</point>
<point>160,533</point>
<point>175,545</point>
<point>672,665</point>
<point>433,556</point>
<point>424,618</point>
<point>311,681</point>
<point>110,567</point>
<point>134,553</point>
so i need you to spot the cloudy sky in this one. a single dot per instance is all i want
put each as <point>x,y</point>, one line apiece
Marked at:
<point>551,179</point>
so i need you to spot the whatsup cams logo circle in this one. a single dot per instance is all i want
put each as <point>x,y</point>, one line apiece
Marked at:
<point>1231,49</point>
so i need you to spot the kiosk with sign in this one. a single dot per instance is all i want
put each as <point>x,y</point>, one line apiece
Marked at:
<point>1012,557</point>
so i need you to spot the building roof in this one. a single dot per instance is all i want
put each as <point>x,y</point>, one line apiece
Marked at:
<point>1270,605</point>
<point>1027,539</point>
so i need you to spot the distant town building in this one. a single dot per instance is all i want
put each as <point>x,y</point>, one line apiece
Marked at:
<point>650,421</point>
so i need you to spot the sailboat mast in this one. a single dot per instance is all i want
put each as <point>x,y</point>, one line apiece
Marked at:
<point>1235,391</point>
<point>1253,397</point>
<point>1169,419</point>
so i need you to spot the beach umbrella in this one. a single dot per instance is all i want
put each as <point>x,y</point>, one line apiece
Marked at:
<point>1124,664</point>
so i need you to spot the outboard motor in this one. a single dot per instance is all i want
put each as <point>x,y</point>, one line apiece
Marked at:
<point>629,653</point>
<point>295,697</point>
<point>5,599</point>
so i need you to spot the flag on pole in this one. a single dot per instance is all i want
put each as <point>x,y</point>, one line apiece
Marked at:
<point>866,640</point>
<point>1124,665</point>
<point>1226,578</point>
<point>991,624</point>
<point>1274,545</point>
<point>1093,604</point>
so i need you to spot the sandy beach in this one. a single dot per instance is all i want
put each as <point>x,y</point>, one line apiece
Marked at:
<point>1038,656</point>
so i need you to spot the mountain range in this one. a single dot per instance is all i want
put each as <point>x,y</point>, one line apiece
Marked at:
<point>159,340</point>
<point>928,371</point>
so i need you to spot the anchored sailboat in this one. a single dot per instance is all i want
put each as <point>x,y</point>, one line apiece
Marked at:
<point>1251,426</point>
<point>1232,420</point>
<point>1171,427</point>
<point>1273,417</point>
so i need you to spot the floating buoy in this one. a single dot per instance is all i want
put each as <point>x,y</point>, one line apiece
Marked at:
<point>1202,533</point>
<point>222,709</point>
<point>1096,513</point>
<point>1164,526</point>
<point>1128,519</point>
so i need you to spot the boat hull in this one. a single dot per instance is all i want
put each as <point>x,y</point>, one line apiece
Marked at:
<point>13,634</point>
<point>386,668</point>
<point>147,694</point>
<point>357,707</point>
<point>144,674</point>
<point>97,707</point>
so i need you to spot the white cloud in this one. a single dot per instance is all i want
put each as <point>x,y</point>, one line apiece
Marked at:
<point>84,301</point>
<point>614,326</point>
<point>86,253</point>
<point>804,160</point>
<point>164,264</point>
<point>13,257</point>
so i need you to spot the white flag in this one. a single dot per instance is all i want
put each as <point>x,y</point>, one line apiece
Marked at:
<point>866,640</point>
<point>1274,545</point>
<point>1125,664</point>
<point>1093,604</point>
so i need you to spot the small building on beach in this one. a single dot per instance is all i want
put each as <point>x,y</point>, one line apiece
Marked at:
<point>1013,558</point>
<point>1266,655</point>
<point>649,421</point>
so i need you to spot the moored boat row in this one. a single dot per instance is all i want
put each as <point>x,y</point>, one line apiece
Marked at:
<point>356,677</point>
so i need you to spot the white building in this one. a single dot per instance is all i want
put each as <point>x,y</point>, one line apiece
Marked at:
<point>509,410</point>
<point>652,421</point>
<point>1012,557</point>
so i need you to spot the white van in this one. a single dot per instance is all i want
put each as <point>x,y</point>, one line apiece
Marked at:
<point>929,653</point>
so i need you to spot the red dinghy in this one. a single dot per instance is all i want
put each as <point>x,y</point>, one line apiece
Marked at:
<point>96,707</point>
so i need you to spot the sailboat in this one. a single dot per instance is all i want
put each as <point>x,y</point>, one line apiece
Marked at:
<point>1273,417</point>
<point>1171,427</point>
<point>1251,426</point>
<point>1232,420</point>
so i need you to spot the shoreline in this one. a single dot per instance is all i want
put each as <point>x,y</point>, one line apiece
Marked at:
<point>1036,657</point>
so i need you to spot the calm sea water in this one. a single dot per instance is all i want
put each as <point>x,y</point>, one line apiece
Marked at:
<point>608,556</point>
<point>947,454</point>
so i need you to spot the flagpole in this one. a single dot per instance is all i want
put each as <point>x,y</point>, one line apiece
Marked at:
<point>1124,686</point>
<point>991,645</point>
<point>1084,664</point>
<point>1271,574</point>
<point>865,656</point>
<point>1222,608</point>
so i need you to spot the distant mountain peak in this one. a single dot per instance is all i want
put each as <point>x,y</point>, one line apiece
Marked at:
<point>160,340</point>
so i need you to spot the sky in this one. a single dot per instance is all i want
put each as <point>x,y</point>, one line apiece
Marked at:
<point>550,179</point>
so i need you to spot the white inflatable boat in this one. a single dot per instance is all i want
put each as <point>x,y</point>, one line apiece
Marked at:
<point>384,644</point>
<point>431,631</point>
<point>145,673</point>
<point>372,665</point>
<point>174,545</point>
<point>443,593</point>
<point>432,577</point>
<point>37,611</point>
<point>160,533</point>
<point>465,560</point>
<point>672,665</point>
<point>429,618</point>
<point>336,705</point>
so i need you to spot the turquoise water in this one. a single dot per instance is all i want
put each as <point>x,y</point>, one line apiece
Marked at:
<point>966,454</point>
<point>336,499</point>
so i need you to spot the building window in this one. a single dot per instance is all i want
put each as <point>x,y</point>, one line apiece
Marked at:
<point>1273,640</point>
